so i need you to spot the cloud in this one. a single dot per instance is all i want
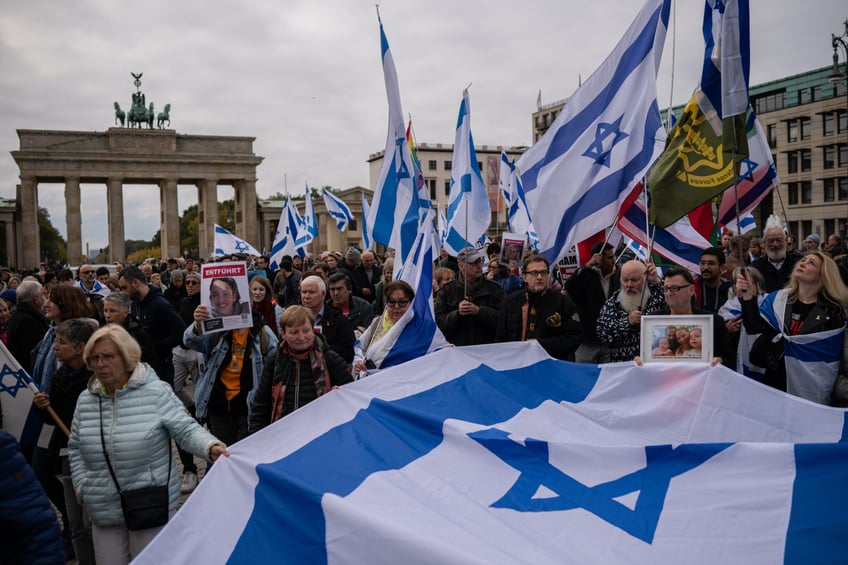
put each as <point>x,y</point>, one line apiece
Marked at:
<point>305,79</point>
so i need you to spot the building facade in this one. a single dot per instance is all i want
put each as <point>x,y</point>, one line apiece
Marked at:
<point>805,118</point>
<point>436,164</point>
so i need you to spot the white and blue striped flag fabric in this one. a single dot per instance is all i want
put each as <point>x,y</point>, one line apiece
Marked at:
<point>500,454</point>
<point>308,230</point>
<point>812,360</point>
<point>518,218</point>
<point>337,209</point>
<point>393,218</point>
<point>16,392</point>
<point>296,226</point>
<point>469,214</point>
<point>601,143</point>
<point>416,333</point>
<point>227,243</point>
<point>367,239</point>
<point>283,238</point>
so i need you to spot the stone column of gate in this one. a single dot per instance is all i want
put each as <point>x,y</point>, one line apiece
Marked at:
<point>11,251</point>
<point>247,212</point>
<point>115,208</point>
<point>31,242</point>
<point>170,218</point>
<point>74,220</point>
<point>207,215</point>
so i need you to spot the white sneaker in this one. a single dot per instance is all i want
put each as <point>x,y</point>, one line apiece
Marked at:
<point>189,482</point>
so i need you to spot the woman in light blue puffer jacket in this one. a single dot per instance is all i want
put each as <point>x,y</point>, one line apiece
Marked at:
<point>138,415</point>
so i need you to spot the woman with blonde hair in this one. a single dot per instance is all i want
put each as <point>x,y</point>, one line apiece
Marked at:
<point>802,326</point>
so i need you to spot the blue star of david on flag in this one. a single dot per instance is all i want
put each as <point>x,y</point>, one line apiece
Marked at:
<point>18,380</point>
<point>601,148</point>
<point>747,168</point>
<point>400,163</point>
<point>663,463</point>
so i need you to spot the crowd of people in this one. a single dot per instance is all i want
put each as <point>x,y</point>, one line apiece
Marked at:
<point>114,354</point>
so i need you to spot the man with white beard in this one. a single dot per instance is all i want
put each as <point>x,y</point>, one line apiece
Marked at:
<point>620,320</point>
<point>778,263</point>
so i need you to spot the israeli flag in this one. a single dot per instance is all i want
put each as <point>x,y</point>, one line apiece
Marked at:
<point>227,243</point>
<point>296,226</point>
<point>500,454</point>
<point>283,238</point>
<point>469,214</point>
<point>393,217</point>
<point>16,393</point>
<point>518,218</point>
<point>337,209</point>
<point>367,240</point>
<point>601,144</point>
<point>416,333</point>
<point>308,229</point>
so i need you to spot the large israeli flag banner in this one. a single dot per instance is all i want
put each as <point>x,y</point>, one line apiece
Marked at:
<point>499,454</point>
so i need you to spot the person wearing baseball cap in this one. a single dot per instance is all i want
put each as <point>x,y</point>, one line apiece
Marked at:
<point>467,308</point>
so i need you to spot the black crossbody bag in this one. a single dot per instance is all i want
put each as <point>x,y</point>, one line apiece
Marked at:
<point>143,508</point>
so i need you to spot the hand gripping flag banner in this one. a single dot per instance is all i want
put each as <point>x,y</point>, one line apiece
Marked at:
<point>416,333</point>
<point>393,218</point>
<point>227,243</point>
<point>707,143</point>
<point>469,214</point>
<point>601,143</point>
<point>337,209</point>
<point>283,238</point>
<point>499,454</point>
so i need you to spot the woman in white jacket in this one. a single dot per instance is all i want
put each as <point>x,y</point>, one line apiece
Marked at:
<point>138,415</point>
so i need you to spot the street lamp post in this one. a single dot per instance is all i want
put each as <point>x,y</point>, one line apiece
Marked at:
<point>836,75</point>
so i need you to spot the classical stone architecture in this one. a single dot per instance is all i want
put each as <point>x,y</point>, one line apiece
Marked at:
<point>122,156</point>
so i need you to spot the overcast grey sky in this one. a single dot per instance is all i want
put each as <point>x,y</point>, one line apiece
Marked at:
<point>305,77</point>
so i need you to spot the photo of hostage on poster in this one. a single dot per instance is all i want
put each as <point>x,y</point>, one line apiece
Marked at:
<point>512,250</point>
<point>224,292</point>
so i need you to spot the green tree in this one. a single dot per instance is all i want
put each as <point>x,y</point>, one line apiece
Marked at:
<point>54,249</point>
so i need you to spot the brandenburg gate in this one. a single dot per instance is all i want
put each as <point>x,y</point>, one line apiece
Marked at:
<point>121,156</point>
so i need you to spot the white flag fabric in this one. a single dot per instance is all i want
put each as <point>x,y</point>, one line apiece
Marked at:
<point>518,218</point>
<point>227,243</point>
<point>308,230</point>
<point>393,218</point>
<point>367,240</point>
<point>16,393</point>
<point>337,209</point>
<point>601,143</point>
<point>297,227</point>
<point>283,238</point>
<point>469,214</point>
<point>500,454</point>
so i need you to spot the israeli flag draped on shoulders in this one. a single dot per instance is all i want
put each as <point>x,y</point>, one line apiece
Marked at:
<point>812,360</point>
<point>500,454</point>
<point>393,217</point>
<point>227,243</point>
<point>283,238</point>
<point>337,209</point>
<point>469,214</point>
<point>601,143</point>
<point>416,333</point>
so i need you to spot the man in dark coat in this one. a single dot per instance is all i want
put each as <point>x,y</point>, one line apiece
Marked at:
<point>467,309</point>
<point>778,263</point>
<point>27,325</point>
<point>335,328</point>
<point>157,316</point>
<point>541,314</point>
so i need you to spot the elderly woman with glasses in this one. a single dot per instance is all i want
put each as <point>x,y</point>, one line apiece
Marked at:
<point>300,370</point>
<point>375,343</point>
<point>121,440</point>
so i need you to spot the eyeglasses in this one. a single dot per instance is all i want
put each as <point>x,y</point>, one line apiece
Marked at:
<point>675,289</point>
<point>536,273</point>
<point>397,303</point>
<point>105,357</point>
<point>192,283</point>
